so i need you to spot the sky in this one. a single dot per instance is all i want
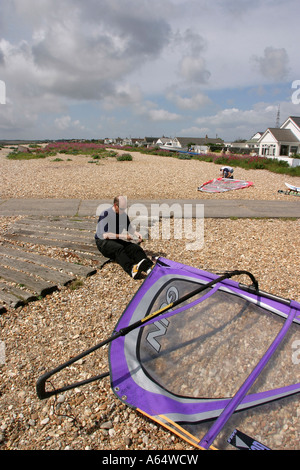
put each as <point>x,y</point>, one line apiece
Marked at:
<point>94,69</point>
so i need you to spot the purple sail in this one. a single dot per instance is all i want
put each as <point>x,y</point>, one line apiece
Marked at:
<point>197,362</point>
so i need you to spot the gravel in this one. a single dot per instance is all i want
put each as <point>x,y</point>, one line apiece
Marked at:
<point>47,332</point>
<point>147,177</point>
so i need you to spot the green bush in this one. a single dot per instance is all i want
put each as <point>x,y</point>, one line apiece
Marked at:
<point>184,157</point>
<point>25,155</point>
<point>124,157</point>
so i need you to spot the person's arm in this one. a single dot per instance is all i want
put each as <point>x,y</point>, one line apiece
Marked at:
<point>133,232</point>
<point>139,236</point>
<point>117,236</point>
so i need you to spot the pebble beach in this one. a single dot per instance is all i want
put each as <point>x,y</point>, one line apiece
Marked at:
<point>47,332</point>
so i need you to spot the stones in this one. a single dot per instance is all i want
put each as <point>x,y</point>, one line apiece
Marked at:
<point>47,332</point>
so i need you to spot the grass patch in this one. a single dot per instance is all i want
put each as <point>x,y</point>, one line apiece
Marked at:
<point>246,162</point>
<point>26,155</point>
<point>74,285</point>
<point>97,151</point>
<point>92,150</point>
<point>125,157</point>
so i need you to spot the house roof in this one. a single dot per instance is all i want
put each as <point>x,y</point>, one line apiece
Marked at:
<point>199,140</point>
<point>296,120</point>
<point>283,135</point>
<point>256,133</point>
<point>151,139</point>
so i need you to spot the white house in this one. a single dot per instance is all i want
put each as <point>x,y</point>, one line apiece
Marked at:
<point>283,142</point>
<point>292,123</point>
<point>253,142</point>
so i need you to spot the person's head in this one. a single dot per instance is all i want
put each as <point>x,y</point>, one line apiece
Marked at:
<point>120,204</point>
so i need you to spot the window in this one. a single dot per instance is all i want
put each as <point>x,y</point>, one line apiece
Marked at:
<point>293,150</point>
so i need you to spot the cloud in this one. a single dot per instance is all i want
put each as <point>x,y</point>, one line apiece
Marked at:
<point>274,63</point>
<point>162,115</point>
<point>81,50</point>
<point>232,117</point>
<point>124,95</point>
<point>65,122</point>
<point>151,111</point>
<point>146,64</point>
<point>239,123</point>
<point>72,51</point>
<point>192,42</point>
<point>195,131</point>
<point>193,69</point>
<point>192,65</point>
<point>1,57</point>
<point>197,101</point>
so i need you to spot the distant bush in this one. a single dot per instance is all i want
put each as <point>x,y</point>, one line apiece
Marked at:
<point>111,153</point>
<point>67,148</point>
<point>124,157</point>
<point>184,157</point>
<point>25,155</point>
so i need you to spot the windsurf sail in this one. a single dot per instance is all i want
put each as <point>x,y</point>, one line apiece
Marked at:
<point>190,346</point>
<point>220,185</point>
<point>291,191</point>
<point>292,187</point>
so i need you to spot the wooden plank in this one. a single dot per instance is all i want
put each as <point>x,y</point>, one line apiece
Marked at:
<point>10,299</point>
<point>20,294</point>
<point>42,274</point>
<point>62,223</point>
<point>41,288</point>
<point>54,236</point>
<point>56,243</point>
<point>77,269</point>
<point>37,270</point>
<point>55,232</point>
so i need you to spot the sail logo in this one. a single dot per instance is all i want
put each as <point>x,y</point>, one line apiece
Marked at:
<point>243,442</point>
<point>161,326</point>
<point>2,92</point>
<point>161,329</point>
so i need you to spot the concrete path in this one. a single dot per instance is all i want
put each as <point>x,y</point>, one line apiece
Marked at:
<point>212,208</point>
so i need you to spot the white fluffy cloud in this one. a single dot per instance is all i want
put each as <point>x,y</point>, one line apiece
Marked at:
<point>65,122</point>
<point>162,115</point>
<point>241,123</point>
<point>192,102</point>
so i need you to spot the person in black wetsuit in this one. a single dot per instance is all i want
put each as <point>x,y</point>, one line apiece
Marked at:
<point>114,239</point>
